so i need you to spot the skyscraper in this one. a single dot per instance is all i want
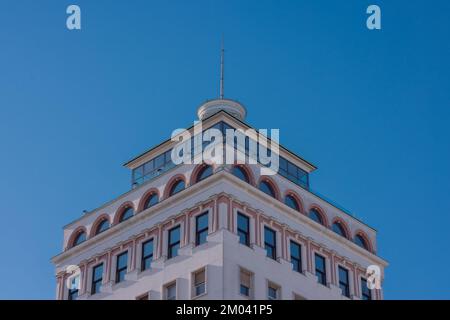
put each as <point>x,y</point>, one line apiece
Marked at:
<point>217,231</point>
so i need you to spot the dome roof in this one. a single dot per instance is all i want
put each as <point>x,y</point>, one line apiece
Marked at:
<point>211,107</point>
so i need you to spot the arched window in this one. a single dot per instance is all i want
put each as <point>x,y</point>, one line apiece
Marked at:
<point>339,229</point>
<point>360,241</point>
<point>204,173</point>
<point>80,238</point>
<point>241,174</point>
<point>126,214</point>
<point>151,201</point>
<point>177,187</point>
<point>265,187</point>
<point>291,202</point>
<point>102,226</point>
<point>316,216</point>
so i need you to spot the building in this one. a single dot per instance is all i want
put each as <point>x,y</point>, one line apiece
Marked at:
<point>217,232</point>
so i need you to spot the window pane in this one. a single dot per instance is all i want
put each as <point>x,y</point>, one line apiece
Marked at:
<point>174,235</point>
<point>320,269</point>
<point>359,240</point>
<point>127,214</point>
<point>291,202</point>
<point>272,293</point>
<point>147,254</point>
<point>205,172</point>
<point>177,187</point>
<point>121,266</point>
<point>315,215</point>
<point>338,229</point>
<point>270,242</point>
<point>202,221</point>
<point>365,291</point>
<point>343,281</point>
<point>103,226</point>
<point>171,292</point>
<point>240,173</point>
<point>151,201</point>
<point>296,256</point>
<point>159,161</point>
<point>266,188</point>
<point>98,272</point>
<point>174,242</point>
<point>81,237</point>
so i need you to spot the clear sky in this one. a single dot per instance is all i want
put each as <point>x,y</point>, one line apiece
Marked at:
<point>369,108</point>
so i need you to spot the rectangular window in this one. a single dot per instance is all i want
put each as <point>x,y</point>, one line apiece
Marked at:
<point>272,291</point>
<point>147,255</point>
<point>243,229</point>
<point>343,281</point>
<point>199,282</point>
<point>201,228</point>
<point>97,278</point>
<point>171,291</point>
<point>245,283</point>
<point>174,242</point>
<point>320,269</point>
<point>121,266</point>
<point>73,294</point>
<point>366,294</point>
<point>73,290</point>
<point>296,256</point>
<point>270,243</point>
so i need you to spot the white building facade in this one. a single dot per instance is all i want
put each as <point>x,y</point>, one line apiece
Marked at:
<point>217,232</point>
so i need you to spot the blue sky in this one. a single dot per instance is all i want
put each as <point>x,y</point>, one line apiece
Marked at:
<point>369,108</point>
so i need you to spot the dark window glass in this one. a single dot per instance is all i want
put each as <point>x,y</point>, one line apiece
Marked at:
<point>73,294</point>
<point>102,226</point>
<point>240,173</point>
<point>80,238</point>
<point>97,278</point>
<point>265,187</point>
<point>147,255</point>
<point>174,242</point>
<point>343,281</point>
<point>272,293</point>
<point>73,289</point>
<point>339,229</point>
<point>315,215</point>
<point>177,187</point>
<point>121,266</point>
<point>244,290</point>
<point>321,270</point>
<point>296,256</point>
<point>127,214</point>
<point>159,161</point>
<point>163,162</point>
<point>291,202</point>
<point>270,243</point>
<point>201,228</point>
<point>365,291</point>
<point>360,241</point>
<point>151,201</point>
<point>243,229</point>
<point>204,173</point>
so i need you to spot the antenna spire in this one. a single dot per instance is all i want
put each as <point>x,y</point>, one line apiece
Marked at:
<point>222,54</point>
